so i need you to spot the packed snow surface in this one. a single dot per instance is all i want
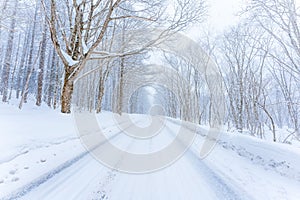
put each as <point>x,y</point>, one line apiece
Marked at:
<point>42,158</point>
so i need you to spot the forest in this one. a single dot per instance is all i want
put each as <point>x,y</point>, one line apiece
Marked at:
<point>92,54</point>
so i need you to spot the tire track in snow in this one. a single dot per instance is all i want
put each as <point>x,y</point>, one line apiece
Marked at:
<point>22,191</point>
<point>25,149</point>
<point>44,178</point>
<point>223,190</point>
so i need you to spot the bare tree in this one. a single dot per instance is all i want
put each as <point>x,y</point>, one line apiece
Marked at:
<point>22,65</point>
<point>8,55</point>
<point>31,59</point>
<point>14,68</point>
<point>280,19</point>
<point>245,51</point>
<point>77,29</point>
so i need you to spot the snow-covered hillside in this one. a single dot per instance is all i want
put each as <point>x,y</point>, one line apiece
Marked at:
<point>42,158</point>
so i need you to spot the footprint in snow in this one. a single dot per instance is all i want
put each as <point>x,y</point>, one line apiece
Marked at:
<point>26,167</point>
<point>15,179</point>
<point>43,160</point>
<point>101,195</point>
<point>13,171</point>
<point>1,181</point>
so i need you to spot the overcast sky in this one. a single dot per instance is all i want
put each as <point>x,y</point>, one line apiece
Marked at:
<point>222,12</point>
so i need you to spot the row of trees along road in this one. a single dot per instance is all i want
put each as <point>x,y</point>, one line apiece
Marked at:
<point>46,47</point>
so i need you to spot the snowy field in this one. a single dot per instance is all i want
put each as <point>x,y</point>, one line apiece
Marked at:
<point>43,158</point>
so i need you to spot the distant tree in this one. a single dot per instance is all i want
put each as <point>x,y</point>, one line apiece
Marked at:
<point>8,55</point>
<point>31,59</point>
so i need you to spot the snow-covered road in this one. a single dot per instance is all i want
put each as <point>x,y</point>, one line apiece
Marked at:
<point>239,167</point>
<point>82,177</point>
<point>77,178</point>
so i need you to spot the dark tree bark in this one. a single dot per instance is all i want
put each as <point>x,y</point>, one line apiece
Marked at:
<point>52,79</point>
<point>57,84</point>
<point>41,67</point>
<point>66,97</point>
<point>121,80</point>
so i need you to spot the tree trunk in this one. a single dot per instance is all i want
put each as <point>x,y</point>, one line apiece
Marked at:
<point>3,10</point>
<point>57,85</point>
<point>52,78</point>
<point>120,100</point>
<point>41,67</point>
<point>67,92</point>
<point>12,85</point>
<point>30,67</point>
<point>272,123</point>
<point>26,87</point>
<point>22,65</point>
<point>100,95</point>
<point>8,55</point>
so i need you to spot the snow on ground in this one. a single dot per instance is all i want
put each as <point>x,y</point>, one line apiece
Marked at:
<point>283,135</point>
<point>42,158</point>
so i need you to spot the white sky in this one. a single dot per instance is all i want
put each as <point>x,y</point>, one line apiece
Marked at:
<point>222,13</point>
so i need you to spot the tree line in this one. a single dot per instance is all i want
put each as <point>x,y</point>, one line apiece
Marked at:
<point>48,47</point>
